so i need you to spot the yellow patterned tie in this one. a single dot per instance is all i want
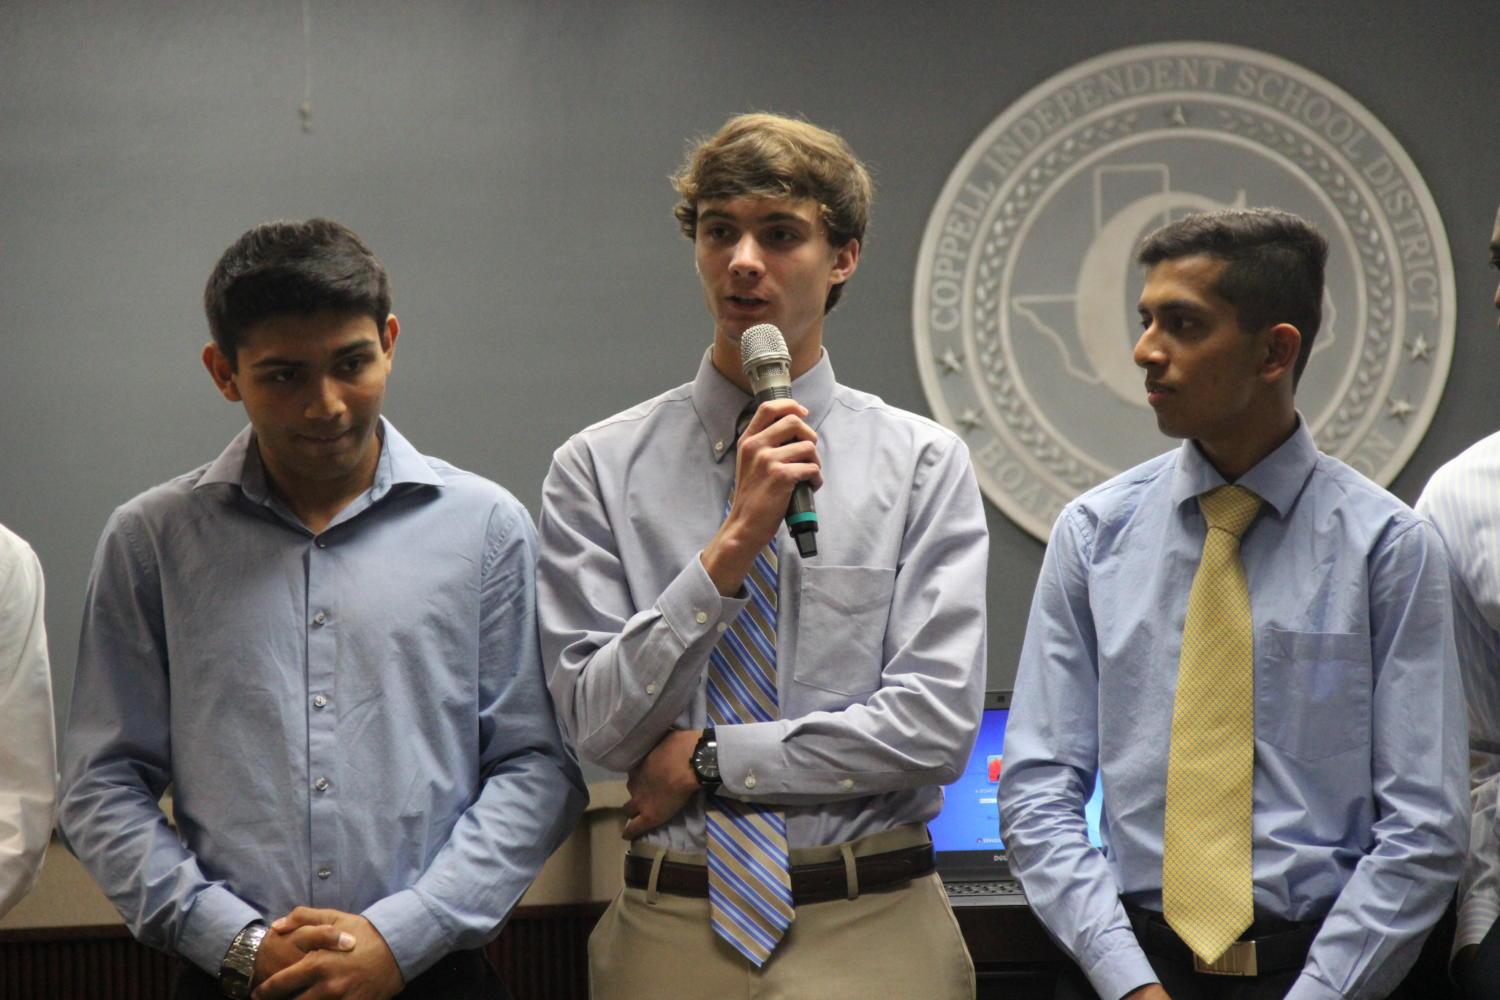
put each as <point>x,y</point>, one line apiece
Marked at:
<point>1206,888</point>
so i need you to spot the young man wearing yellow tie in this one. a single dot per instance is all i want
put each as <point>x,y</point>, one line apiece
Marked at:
<point>1251,644</point>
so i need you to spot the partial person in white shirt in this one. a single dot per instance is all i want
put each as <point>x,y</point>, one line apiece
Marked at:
<point>28,747</point>
<point>1463,500</point>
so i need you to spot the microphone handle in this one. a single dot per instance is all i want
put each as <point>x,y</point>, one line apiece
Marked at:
<point>801,516</point>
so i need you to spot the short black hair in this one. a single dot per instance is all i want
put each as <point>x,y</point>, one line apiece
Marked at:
<point>293,268</point>
<point>1275,262</point>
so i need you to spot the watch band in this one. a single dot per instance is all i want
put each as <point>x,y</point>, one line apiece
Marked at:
<point>237,971</point>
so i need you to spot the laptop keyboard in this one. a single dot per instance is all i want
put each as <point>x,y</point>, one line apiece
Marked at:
<point>999,887</point>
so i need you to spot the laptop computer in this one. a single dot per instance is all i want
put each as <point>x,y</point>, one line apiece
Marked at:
<point>971,856</point>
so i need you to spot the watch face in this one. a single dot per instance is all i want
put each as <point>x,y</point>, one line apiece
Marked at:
<point>706,762</point>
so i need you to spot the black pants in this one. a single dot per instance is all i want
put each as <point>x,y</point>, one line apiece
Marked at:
<point>1182,983</point>
<point>1481,980</point>
<point>463,975</point>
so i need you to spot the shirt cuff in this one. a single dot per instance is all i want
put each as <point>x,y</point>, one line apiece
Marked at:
<point>1308,988</point>
<point>217,915</point>
<point>411,931</point>
<point>1475,918</point>
<point>751,761</point>
<point>1120,969</point>
<point>692,605</point>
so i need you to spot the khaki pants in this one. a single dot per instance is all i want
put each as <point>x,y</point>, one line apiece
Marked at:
<point>898,945</point>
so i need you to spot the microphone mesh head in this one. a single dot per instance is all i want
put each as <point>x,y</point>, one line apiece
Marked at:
<point>760,343</point>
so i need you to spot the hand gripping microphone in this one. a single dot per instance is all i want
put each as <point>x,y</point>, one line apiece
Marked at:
<point>768,366</point>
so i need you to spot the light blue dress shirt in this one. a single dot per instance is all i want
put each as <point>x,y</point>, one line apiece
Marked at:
<point>1360,812</point>
<point>355,719</point>
<point>880,637</point>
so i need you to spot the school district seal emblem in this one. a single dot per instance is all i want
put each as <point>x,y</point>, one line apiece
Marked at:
<point>1024,308</point>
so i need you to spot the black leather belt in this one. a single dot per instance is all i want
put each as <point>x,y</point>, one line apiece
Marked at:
<point>1268,947</point>
<point>815,883</point>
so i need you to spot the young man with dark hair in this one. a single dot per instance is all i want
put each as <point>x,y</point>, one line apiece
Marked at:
<point>1251,645</point>
<point>1463,501</point>
<point>325,643</point>
<point>786,722</point>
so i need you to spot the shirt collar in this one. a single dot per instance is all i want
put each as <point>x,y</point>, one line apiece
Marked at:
<point>719,401</point>
<point>239,465</point>
<point>1277,479</point>
<point>234,466</point>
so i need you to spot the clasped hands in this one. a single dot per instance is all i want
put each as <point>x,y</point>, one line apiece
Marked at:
<point>315,954</point>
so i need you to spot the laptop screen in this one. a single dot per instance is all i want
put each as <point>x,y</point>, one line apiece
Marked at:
<point>970,820</point>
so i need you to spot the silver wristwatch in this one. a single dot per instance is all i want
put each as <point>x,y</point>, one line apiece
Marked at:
<point>237,971</point>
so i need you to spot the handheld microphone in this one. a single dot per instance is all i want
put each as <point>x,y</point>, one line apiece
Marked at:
<point>768,366</point>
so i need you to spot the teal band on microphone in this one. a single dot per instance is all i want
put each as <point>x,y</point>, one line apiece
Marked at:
<point>793,520</point>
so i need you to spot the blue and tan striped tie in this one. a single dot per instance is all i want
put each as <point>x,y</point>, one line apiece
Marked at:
<point>749,885</point>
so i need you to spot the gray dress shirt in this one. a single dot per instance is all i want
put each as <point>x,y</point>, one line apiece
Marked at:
<point>1359,807</point>
<point>354,719</point>
<point>881,637</point>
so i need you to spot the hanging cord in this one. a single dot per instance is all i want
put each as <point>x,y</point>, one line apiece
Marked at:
<point>304,110</point>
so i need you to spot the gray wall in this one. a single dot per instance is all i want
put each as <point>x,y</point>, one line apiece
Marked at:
<point>508,163</point>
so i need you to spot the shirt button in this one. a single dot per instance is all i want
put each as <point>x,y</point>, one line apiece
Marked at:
<point>320,701</point>
<point>750,781</point>
<point>718,446</point>
<point>701,617</point>
<point>321,784</point>
<point>320,618</point>
<point>847,783</point>
<point>650,688</point>
<point>321,544</point>
<point>325,872</point>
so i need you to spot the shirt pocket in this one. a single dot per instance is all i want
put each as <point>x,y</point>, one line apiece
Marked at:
<point>1313,697</point>
<point>841,632</point>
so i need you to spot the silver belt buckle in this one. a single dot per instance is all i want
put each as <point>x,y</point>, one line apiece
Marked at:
<point>1237,960</point>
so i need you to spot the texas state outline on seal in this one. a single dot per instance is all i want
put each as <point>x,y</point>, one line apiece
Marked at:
<point>1024,303</point>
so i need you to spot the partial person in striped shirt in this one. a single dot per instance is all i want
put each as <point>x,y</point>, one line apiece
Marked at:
<point>1463,500</point>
